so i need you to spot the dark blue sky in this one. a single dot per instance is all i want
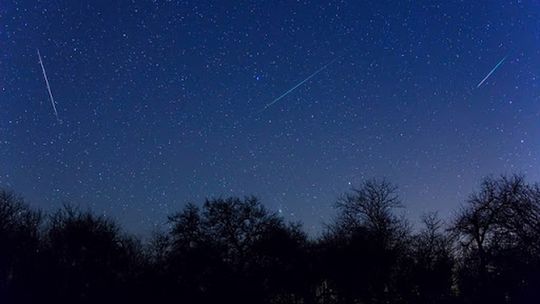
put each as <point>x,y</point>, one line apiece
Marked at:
<point>160,102</point>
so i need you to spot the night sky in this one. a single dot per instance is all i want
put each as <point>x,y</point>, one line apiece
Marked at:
<point>161,103</point>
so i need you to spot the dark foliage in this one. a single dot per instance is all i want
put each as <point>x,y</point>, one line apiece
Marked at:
<point>234,250</point>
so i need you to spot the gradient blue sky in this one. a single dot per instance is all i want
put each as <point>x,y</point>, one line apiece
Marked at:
<point>161,102</point>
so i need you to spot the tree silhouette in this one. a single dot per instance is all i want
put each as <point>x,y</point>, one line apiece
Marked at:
<point>89,258</point>
<point>498,233</point>
<point>19,247</point>
<point>234,250</point>
<point>433,260</point>
<point>364,247</point>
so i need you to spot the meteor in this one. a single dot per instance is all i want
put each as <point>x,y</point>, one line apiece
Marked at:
<point>491,72</point>
<point>53,103</point>
<point>299,84</point>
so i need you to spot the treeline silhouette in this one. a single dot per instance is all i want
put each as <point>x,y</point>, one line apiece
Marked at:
<point>233,250</point>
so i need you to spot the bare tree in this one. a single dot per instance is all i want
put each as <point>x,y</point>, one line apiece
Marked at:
<point>365,250</point>
<point>504,212</point>
<point>498,236</point>
<point>432,273</point>
<point>19,245</point>
<point>371,206</point>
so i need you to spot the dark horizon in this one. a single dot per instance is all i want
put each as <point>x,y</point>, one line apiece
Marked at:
<point>235,250</point>
<point>313,232</point>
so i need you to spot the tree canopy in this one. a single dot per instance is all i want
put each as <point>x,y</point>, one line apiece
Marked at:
<point>235,250</point>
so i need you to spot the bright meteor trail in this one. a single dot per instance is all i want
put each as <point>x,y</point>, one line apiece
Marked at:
<point>491,72</point>
<point>48,86</point>
<point>299,84</point>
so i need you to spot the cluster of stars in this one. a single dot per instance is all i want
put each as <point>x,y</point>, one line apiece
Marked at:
<point>160,102</point>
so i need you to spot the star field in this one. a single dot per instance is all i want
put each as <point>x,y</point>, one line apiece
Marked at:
<point>160,102</point>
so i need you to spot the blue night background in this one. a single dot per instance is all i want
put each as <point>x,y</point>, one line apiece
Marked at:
<point>161,103</point>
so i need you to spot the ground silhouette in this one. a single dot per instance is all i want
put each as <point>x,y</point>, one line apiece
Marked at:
<point>234,250</point>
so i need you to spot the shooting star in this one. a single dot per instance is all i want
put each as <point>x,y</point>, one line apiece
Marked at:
<point>53,103</point>
<point>491,72</point>
<point>299,84</point>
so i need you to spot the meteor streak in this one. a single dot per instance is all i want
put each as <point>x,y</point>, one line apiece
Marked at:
<point>53,103</point>
<point>299,84</point>
<point>491,72</point>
